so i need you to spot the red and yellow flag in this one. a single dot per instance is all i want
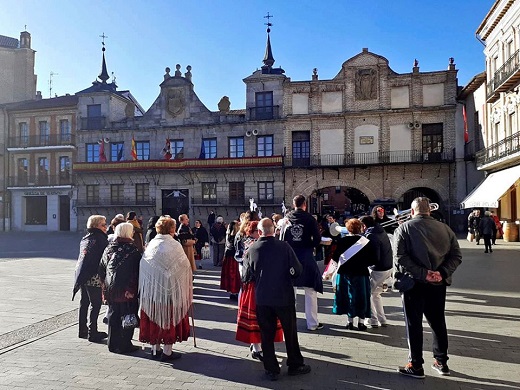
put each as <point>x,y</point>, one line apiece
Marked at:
<point>134,149</point>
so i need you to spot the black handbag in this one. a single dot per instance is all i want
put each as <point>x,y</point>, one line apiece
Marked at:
<point>403,282</point>
<point>131,320</point>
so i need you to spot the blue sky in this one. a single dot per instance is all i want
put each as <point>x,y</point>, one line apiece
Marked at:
<point>224,40</point>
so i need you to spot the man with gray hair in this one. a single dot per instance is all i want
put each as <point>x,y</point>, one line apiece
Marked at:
<point>427,251</point>
<point>273,265</point>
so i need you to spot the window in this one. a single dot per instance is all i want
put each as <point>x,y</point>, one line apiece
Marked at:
<point>92,152</point>
<point>43,171</point>
<point>264,146</point>
<point>177,149</point>
<point>64,169</point>
<point>64,130</point>
<point>210,147</point>
<point>23,174</point>
<point>24,133</point>
<point>265,191</point>
<point>477,133</point>
<point>142,193</point>
<point>94,119</point>
<point>117,193</point>
<point>209,192</point>
<point>44,132</point>
<point>432,141</point>
<point>143,150</point>
<point>236,192</point>
<point>36,210</point>
<point>301,148</point>
<point>92,194</point>
<point>264,105</point>
<point>116,151</point>
<point>236,147</point>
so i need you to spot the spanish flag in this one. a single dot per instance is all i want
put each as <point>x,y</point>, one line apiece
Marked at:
<point>134,150</point>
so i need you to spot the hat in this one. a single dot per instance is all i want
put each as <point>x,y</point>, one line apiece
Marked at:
<point>220,219</point>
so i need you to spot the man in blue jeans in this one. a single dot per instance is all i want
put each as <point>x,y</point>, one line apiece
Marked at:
<point>428,251</point>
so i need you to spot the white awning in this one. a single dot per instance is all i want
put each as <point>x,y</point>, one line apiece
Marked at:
<point>487,193</point>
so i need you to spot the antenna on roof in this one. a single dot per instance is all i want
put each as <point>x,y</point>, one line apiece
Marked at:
<point>50,82</point>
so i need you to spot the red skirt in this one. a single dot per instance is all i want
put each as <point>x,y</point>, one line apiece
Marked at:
<point>230,277</point>
<point>151,333</point>
<point>248,330</point>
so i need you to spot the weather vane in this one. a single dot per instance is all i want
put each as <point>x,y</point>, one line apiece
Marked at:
<point>268,24</point>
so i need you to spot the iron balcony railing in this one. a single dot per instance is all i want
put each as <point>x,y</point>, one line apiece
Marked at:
<point>502,149</point>
<point>510,67</point>
<point>40,180</point>
<point>93,123</point>
<point>225,201</point>
<point>263,113</point>
<point>110,202</point>
<point>42,140</point>
<point>373,158</point>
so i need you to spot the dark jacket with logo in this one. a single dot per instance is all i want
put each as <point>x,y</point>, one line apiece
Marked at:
<point>303,235</point>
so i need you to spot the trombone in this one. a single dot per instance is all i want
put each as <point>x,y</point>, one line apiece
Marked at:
<point>404,215</point>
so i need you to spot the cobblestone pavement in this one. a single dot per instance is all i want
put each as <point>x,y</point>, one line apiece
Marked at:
<point>39,348</point>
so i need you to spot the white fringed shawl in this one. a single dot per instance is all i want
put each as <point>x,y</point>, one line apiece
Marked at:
<point>165,281</point>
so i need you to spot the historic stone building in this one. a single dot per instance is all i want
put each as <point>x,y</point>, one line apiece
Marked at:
<point>498,153</point>
<point>371,134</point>
<point>178,156</point>
<point>17,83</point>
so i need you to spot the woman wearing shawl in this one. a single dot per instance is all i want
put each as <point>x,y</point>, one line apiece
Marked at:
<point>119,272</point>
<point>352,296</point>
<point>166,291</point>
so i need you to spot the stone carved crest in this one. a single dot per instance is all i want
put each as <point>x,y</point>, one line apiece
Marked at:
<point>175,101</point>
<point>366,84</point>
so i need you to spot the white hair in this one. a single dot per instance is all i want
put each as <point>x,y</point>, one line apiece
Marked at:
<point>124,230</point>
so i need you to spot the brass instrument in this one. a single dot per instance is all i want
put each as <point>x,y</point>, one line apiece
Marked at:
<point>405,215</point>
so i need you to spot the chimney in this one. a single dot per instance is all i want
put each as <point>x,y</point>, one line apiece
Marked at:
<point>38,95</point>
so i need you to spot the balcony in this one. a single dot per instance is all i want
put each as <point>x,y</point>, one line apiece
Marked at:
<point>180,165</point>
<point>109,202</point>
<point>93,123</point>
<point>373,158</point>
<point>39,141</point>
<point>263,113</point>
<point>501,150</point>
<point>505,78</point>
<point>235,202</point>
<point>39,181</point>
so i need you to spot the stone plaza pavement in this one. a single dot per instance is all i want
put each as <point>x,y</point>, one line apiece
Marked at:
<point>39,347</point>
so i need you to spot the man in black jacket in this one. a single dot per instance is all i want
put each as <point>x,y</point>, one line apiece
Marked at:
<point>302,233</point>
<point>428,251</point>
<point>87,279</point>
<point>274,264</point>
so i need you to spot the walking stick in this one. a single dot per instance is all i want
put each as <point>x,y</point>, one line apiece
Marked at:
<point>193,326</point>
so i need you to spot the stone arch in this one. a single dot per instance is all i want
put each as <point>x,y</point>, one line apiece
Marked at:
<point>306,187</point>
<point>438,188</point>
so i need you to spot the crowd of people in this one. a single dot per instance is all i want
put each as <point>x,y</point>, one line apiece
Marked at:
<point>484,226</point>
<point>145,275</point>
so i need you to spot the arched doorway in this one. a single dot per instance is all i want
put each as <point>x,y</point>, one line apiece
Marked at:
<point>341,201</point>
<point>413,193</point>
